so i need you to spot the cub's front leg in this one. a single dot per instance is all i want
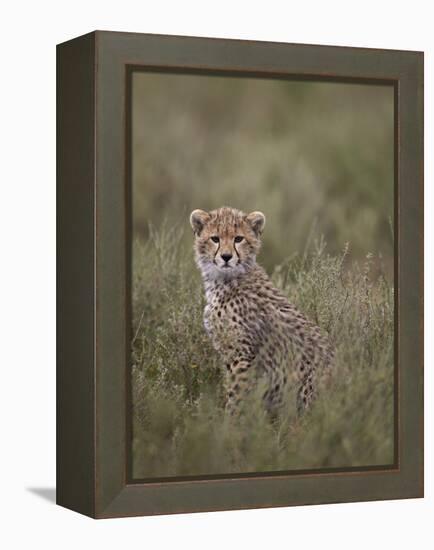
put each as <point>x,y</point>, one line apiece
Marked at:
<point>238,384</point>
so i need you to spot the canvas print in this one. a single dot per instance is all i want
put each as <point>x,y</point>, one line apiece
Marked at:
<point>262,275</point>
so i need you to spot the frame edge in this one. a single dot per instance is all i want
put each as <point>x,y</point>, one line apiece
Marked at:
<point>75,386</point>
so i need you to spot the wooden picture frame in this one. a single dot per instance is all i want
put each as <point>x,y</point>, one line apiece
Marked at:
<point>94,234</point>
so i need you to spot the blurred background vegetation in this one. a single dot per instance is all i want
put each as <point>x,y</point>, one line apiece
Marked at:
<point>313,156</point>
<point>317,159</point>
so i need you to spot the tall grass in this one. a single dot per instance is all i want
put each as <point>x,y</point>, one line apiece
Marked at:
<point>179,426</point>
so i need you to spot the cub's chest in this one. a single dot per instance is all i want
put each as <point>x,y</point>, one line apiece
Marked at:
<point>223,312</point>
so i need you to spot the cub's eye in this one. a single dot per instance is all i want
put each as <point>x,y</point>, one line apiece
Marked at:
<point>238,238</point>
<point>215,239</point>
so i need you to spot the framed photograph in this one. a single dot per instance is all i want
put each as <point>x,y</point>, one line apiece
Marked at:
<point>240,274</point>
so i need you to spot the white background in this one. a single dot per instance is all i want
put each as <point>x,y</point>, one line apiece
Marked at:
<point>29,32</point>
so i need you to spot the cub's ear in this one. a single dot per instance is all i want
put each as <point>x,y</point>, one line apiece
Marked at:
<point>257,222</point>
<point>198,219</point>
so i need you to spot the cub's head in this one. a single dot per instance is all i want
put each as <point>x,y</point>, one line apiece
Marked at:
<point>226,241</point>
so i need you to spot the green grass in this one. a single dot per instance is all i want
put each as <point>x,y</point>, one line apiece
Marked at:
<point>179,426</point>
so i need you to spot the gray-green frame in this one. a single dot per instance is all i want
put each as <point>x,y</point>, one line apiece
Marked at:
<point>93,430</point>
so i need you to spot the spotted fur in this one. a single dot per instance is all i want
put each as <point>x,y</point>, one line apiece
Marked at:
<point>256,331</point>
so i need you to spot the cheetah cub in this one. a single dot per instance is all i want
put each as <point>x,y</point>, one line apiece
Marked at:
<point>253,327</point>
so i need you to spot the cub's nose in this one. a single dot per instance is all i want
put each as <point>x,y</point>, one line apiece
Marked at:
<point>226,257</point>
